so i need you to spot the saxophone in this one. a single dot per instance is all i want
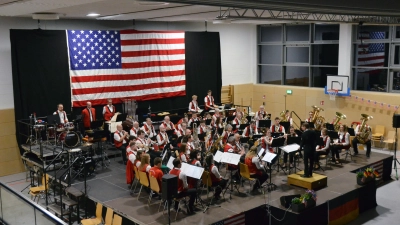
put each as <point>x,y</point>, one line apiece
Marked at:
<point>364,130</point>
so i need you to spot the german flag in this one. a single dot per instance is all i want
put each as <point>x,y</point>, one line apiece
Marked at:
<point>344,209</point>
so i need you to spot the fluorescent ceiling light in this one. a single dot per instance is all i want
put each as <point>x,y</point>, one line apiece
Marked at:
<point>45,16</point>
<point>93,14</point>
<point>222,21</point>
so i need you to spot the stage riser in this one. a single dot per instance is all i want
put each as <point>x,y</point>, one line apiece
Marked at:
<point>316,182</point>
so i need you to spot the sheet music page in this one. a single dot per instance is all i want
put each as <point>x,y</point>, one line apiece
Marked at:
<point>218,156</point>
<point>192,171</point>
<point>230,158</point>
<point>262,150</point>
<point>170,165</point>
<point>268,157</point>
<point>291,148</point>
<point>114,118</point>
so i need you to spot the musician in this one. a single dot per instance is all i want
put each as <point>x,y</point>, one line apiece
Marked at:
<point>285,154</point>
<point>216,178</point>
<point>342,143</point>
<point>167,124</point>
<point>138,159</point>
<point>202,128</point>
<point>120,137</point>
<point>288,117</point>
<point>156,171</point>
<point>193,119</point>
<point>183,120</point>
<point>266,141</point>
<point>250,130</point>
<point>60,112</point>
<point>135,129</point>
<point>308,140</point>
<point>141,143</point>
<point>209,102</point>
<point>256,167</point>
<point>144,163</point>
<point>260,115</point>
<point>236,122</point>
<point>324,148</point>
<point>218,123</point>
<point>237,111</point>
<point>183,189</point>
<point>108,110</point>
<point>183,155</point>
<point>368,142</point>
<point>181,130</point>
<point>88,115</point>
<point>193,106</point>
<point>188,132</point>
<point>130,140</point>
<point>216,115</point>
<point>239,147</point>
<point>194,158</point>
<point>131,155</point>
<point>310,116</point>
<point>277,128</point>
<point>162,138</point>
<point>227,132</point>
<point>148,128</point>
<point>188,140</point>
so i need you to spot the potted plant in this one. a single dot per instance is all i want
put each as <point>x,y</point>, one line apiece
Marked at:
<point>297,205</point>
<point>367,175</point>
<point>309,198</point>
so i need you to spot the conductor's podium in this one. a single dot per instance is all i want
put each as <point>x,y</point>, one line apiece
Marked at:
<point>316,182</point>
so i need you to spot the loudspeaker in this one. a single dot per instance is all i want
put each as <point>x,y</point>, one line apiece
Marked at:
<point>169,186</point>
<point>396,121</point>
<point>286,201</point>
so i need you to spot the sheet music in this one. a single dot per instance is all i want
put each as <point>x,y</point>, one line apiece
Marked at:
<point>218,156</point>
<point>230,158</point>
<point>192,171</point>
<point>113,126</point>
<point>268,157</point>
<point>290,148</point>
<point>262,150</point>
<point>170,164</point>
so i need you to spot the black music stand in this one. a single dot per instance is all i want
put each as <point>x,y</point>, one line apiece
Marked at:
<point>208,122</point>
<point>278,142</point>
<point>271,186</point>
<point>298,132</point>
<point>329,127</point>
<point>351,131</point>
<point>201,136</point>
<point>249,118</point>
<point>286,125</point>
<point>244,139</point>
<point>294,140</point>
<point>333,135</point>
<point>264,123</point>
<point>53,119</point>
<point>97,136</point>
<point>230,118</point>
<point>121,117</point>
<point>243,126</point>
<point>276,135</point>
<point>96,124</point>
<point>220,131</point>
<point>257,136</point>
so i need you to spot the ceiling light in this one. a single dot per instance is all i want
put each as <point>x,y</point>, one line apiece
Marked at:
<point>45,16</point>
<point>222,21</point>
<point>151,3</point>
<point>93,14</point>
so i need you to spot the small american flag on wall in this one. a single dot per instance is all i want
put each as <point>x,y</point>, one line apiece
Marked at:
<point>142,65</point>
<point>238,219</point>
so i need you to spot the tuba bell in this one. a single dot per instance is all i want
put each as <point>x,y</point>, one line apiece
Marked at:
<point>339,116</point>
<point>364,130</point>
<point>282,116</point>
<point>316,119</point>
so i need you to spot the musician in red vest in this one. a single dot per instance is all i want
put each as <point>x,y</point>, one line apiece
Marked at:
<point>322,149</point>
<point>277,128</point>
<point>131,155</point>
<point>120,137</point>
<point>256,167</point>
<point>183,156</point>
<point>108,110</point>
<point>181,131</point>
<point>148,128</point>
<point>250,130</point>
<point>135,128</point>
<point>227,132</point>
<point>63,115</point>
<point>193,106</point>
<point>156,171</point>
<point>183,189</point>
<point>216,178</point>
<point>195,158</point>
<point>88,115</point>
<point>342,143</point>
<point>209,102</point>
<point>167,124</point>
<point>162,138</point>
<point>202,128</point>
<point>237,121</point>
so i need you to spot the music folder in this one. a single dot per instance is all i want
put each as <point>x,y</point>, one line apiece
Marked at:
<point>333,135</point>
<point>191,170</point>
<point>268,157</point>
<point>257,136</point>
<point>170,164</point>
<point>264,123</point>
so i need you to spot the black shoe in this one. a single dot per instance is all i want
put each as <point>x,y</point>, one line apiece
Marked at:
<point>368,156</point>
<point>355,153</point>
<point>305,176</point>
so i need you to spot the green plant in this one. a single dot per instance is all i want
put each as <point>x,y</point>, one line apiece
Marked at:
<point>360,174</point>
<point>296,201</point>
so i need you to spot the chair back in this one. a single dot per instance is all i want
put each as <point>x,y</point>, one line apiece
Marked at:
<point>143,179</point>
<point>99,210</point>
<point>117,220</point>
<point>391,135</point>
<point>206,178</point>
<point>109,216</point>
<point>136,173</point>
<point>380,129</point>
<point>244,171</point>
<point>154,184</point>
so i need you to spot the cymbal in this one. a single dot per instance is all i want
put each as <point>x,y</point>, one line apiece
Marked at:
<point>87,144</point>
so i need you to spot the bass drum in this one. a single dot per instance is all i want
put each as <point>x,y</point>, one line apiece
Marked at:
<point>70,139</point>
<point>89,165</point>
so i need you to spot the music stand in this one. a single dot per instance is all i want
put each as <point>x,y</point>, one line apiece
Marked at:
<point>195,122</point>
<point>96,124</point>
<point>294,140</point>
<point>333,135</point>
<point>220,130</point>
<point>277,135</point>
<point>242,126</point>
<point>201,136</point>
<point>233,159</point>
<point>121,117</point>
<point>286,125</point>
<point>269,158</point>
<point>230,118</point>
<point>298,132</point>
<point>249,118</point>
<point>264,123</point>
<point>208,122</point>
<point>244,139</point>
<point>257,136</point>
<point>290,149</point>
<point>329,127</point>
<point>97,136</point>
<point>278,142</point>
<point>351,131</point>
<point>311,124</point>
<point>53,119</point>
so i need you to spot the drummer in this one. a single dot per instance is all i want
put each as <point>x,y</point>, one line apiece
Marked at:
<point>63,115</point>
<point>209,102</point>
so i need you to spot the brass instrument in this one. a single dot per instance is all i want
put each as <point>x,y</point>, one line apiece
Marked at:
<point>364,130</point>
<point>282,115</point>
<point>339,116</point>
<point>214,146</point>
<point>266,117</point>
<point>243,120</point>
<point>316,119</point>
<point>196,141</point>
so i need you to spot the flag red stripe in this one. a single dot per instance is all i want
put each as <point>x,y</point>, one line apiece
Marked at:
<point>153,41</point>
<point>137,98</point>
<point>84,91</point>
<point>153,64</point>
<point>370,58</point>
<point>373,64</point>
<point>147,32</point>
<point>153,52</point>
<point>94,78</point>
<point>235,219</point>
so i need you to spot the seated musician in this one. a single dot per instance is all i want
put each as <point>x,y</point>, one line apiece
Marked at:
<point>193,106</point>
<point>227,132</point>
<point>60,112</point>
<point>218,123</point>
<point>135,128</point>
<point>183,189</point>
<point>216,178</point>
<point>183,154</point>
<point>260,115</point>
<point>108,110</point>
<point>285,154</point>
<point>194,158</point>
<point>185,119</point>
<point>355,140</point>
<point>120,137</point>
<point>156,171</point>
<point>131,156</point>
<point>310,117</point>
<point>250,130</point>
<point>342,143</point>
<point>238,144</point>
<point>181,131</point>
<point>237,111</point>
<point>256,167</point>
<point>276,127</point>
<point>141,143</point>
<point>193,119</point>
<point>202,128</point>
<point>167,124</point>
<point>148,128</point>
<point>216,115</point>
<point>144,163</point>
<point>207,116</point>
<point>162,138</point>
<point>188,132</point>
<point>266,141</point>
<point>188,140</point>
<point>88,115</point>
<point>322,149</point>
<point>236,122</point>
<point>232,148</point>
<point>288,117</point>
<point>138,159</point>
<point>209,102</point>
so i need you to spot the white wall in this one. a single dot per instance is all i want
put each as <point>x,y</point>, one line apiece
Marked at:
<point>238,46</point>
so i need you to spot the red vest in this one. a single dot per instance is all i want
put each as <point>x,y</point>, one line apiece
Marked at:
<point>343,140</point>
<point>214,179</point>
<point>108,114</point>
<point>264,145</point>
<point>225,138</point>
<point>193,105</point>
<point>208,102</point>
<point>180,182</point>
<point>144,167</point>
<point>201,130</point>
<point>194,161</point>
<point>279,131</point>
<point>248,131</point>
<point>180,156</point>
<point>162,139</point>
<point>252,167</point>
<point>86,116</point>
<point>134,130</point>
<point>130,174</point>
<point>117,143</point>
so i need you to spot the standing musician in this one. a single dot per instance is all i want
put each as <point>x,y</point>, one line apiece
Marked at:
<point>277,128</point>
<point>60,112</point>
<point>308,139</point>
<point>162,138</point>
<point>193,119</point>
<point>260,115</point>
<point>108,110</point>
<point>250,130</point>
<point>209,102</point>
<point>236,122</point>
<point>324,148</point>
<point>342,143</point>
<point>285,154</point>
<point>148,128</point>
<point>193,106</point>
<point>368,142</point>
<point>266,141</point>
<point>120,137</point>
<point>156,171</point>
<point>202,128</point>
<point>216,178</point>
<point>310,116</point>
<point>141,143</point>
<point>256,167</point>
<point>181,130</point>
<point>88,115</point>
<point>167,124</point>
<point>135,129</point>
<point>131,156</point>
<point>227,132</point>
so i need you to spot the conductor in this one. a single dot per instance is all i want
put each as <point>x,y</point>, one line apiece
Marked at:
<point>308,141</point>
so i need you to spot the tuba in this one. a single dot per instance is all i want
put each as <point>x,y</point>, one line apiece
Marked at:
<point>196,141</point>
<point>282,116</point>
<point>316,119</point>
<point>364,130</point>
<point>339,116</point>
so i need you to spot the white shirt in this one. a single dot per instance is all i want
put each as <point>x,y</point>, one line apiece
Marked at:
<point>117,137</point>
<point>150,128</point>
<point>182,176</point>
<point>346,138</point>
<point>132,157</point>
<point>260,115</point>
<point>251,131</point>
<point>63,116</point>
<point>257,162</point>
<point>133,131</point>
<point>215,171</point>
<point>192,120</point>
<point>183,158</point>
<point>164,139</point>
<point>193,104</point>
<point>138,164</point>
<point>109,107</point>
<point>327,144</point>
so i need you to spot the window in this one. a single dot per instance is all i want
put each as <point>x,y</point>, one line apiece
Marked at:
<point>297,75</point>
<point>325,54</point>
<point>297,54</point>
<point>319,75</point>
<point>270,74</point>
<point>372,32</point>
<point>270,54</point>
<point>371,54</point>
<point>271,34</point>
<point>370,79</point>
<point>326,32</point>
<point>298,33</point>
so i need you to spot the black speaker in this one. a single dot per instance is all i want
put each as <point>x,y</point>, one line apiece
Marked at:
<point>396,121</point>
<point>169,186</point>
<point>286,201</point>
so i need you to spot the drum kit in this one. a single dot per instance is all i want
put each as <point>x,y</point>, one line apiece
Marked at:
<point>61,134</point>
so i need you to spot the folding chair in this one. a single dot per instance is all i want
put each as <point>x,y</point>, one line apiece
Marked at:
<point>109,216</point>
<point>144,181</point>
<point>246,175</point>
<point>207,182</point>
<point>137,178</point>
<point>155,188</point>
<point>117,220</point>
<point>98,219</point>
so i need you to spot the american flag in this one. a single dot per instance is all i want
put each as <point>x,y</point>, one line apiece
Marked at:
<point>127,64</point>
<point>238,219</point>
<point>371,55</point>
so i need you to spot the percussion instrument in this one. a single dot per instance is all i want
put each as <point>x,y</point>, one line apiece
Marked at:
<point>38,127</point>
<point>230,112</point>
<point>60,127</point>
<point>51,132</point>
<point>74,150</point>
<point>69,126</point>
<point>88,163</point>
<point>70,138</point>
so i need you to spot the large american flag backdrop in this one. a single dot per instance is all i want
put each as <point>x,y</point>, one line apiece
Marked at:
<point>126,64</point>
<point>371,55</point>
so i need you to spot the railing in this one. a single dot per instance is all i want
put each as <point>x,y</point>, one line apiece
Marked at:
<point>15,208</point>
<point>291,115</point>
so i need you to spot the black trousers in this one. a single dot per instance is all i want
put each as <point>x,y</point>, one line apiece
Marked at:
<point>220,186</point>
<point>192,197</point>
<point>308,156</point>
<point>123,152</point>
<point>319,153</point>
<point>355,142</point>
<point>286,155</point>
<point>260,177</point>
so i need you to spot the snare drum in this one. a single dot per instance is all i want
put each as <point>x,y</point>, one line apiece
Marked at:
<point>51,132</point>
<point>38,127</point>
<point>69,126</point>
<point>60,127</point>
